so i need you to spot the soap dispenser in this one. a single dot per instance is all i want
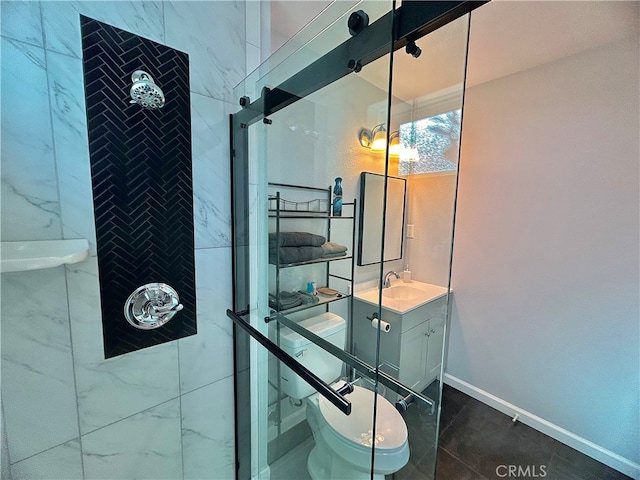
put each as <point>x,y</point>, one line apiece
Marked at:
<point>406,275</point>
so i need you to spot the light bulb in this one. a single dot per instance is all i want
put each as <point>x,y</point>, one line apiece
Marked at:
<point>379,143</point>
<point>395,148</point>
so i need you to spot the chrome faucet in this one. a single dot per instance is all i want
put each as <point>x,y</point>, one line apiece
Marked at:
<point>387,281</point>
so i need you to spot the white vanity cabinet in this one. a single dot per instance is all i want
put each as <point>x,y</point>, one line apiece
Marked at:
<point>411,350</point>
<point>436,345</point>
<point>421,351</point>
<point>414,352</point>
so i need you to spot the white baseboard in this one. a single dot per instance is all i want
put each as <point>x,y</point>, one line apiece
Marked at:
<point>583,445</point>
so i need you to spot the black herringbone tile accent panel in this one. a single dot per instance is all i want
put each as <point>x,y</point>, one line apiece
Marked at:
<point>142,181</point>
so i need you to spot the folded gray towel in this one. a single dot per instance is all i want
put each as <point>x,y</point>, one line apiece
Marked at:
<point>286,301</point>
<point>295,239</point>
<point>333,247</point>
<point>294,254</point>
<point>308,298</point>
<point>334,255</point>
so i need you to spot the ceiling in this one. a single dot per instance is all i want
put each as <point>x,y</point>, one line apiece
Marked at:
<point>289,16</point>
<point>505,37</point>
<point>511,36</point>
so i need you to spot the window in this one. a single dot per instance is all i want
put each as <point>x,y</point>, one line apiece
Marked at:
<point>430,144</point>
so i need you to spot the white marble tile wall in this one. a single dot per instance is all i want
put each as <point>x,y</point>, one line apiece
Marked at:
<point>5,468</point>
<point>253,24</point>
<point>144,446</point>
<point>29,186</point>
<point>208,357</point>
<point>253,28</point>
<point>61,462</point>
<point>61,22</point>
<point>211,171</point>
<point>77,415</point>
<point>68,112</point>
<point>217,54</point>
<point>113,389</point>
<point>21,21</point>
<point>253,57</point>
<point>38,392</point>
<point>208,448</point>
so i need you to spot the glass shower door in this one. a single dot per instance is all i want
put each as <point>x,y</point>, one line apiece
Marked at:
<point>304,394</point>
<point>427,95</point>
<point>318,390</point>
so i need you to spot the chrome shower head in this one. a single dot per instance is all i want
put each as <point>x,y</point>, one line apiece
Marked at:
<point>145,92</point>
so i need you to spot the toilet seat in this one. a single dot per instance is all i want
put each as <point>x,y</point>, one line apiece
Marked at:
<point>391,431</point>
<point>343,442</point>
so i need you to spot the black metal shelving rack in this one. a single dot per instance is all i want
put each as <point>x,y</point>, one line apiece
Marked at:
<point>280,214</point>
<point>321,214</point>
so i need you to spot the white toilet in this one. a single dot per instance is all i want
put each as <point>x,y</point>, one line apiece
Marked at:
<point>342,442</point>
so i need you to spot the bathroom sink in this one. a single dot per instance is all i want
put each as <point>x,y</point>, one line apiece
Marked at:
<point>403,297</point>
<point>402,292</point>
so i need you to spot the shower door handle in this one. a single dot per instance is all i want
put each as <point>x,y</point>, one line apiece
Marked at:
<point>307,375</point>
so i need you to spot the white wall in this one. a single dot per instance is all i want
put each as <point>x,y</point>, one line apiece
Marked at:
<point>315,140</point>
<point>430,203</point>
<point>546,254</point>
<point>161,412</point>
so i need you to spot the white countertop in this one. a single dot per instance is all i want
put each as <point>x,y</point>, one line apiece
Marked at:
<point>402,297</point>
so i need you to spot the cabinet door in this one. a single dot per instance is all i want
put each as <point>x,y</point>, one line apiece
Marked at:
<point>413,356</point>
<point>365,337</point>
<point>434,351</point>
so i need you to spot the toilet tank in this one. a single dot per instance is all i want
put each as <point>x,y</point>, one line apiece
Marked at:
<point>330,327</point>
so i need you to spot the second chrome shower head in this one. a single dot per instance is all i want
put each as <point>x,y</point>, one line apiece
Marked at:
<point>145,92</point>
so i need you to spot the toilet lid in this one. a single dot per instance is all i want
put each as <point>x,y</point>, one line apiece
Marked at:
<point>391,431</point>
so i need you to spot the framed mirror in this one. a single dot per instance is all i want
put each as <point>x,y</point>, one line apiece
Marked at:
<point>372,214</point>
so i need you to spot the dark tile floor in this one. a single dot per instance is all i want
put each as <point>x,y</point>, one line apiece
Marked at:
<point>478,442</point>
<point>475,440</point>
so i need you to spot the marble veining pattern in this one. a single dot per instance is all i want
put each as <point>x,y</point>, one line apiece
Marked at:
<point>144,446</point>
<point>211,171</point>
<point>84,310</point>
<point>61,21</point>
<point>61,462</point>
<point>38,393</point>
<point>66,90</point>
<point>207,427</point>
<point>110,390</point>
<point>21,21</point>
<point>208,356</point>
<point>217,54</point>
<point>116,388</point>
<point>30,207</point>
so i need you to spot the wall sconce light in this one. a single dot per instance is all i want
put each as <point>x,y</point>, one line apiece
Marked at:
<point>376,140</point>
<point>395,148</point>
